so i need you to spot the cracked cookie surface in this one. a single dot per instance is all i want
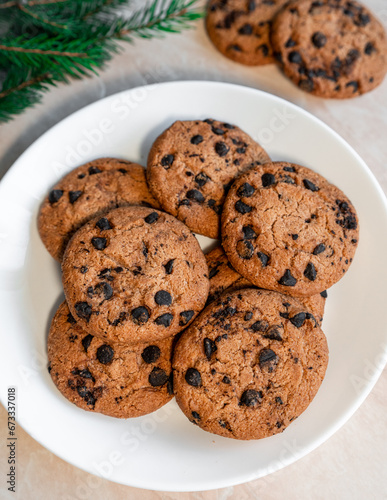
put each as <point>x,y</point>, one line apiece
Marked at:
<point>191,166</point>
<point>240,29</point>
<point>134,275</point>
<point>88,191</point>
<point>114,379</point>
<point>288,229</point>
<point>249,365</point>
<point>224,277</point>
<point>330,48</point>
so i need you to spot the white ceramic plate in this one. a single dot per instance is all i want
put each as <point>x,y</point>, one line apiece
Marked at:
<point>164,451</point>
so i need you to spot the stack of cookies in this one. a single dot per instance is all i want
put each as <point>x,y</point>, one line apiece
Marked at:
<point>234,335</point>
<point>330,48</point>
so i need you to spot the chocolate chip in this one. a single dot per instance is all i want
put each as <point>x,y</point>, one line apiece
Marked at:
<point>268,360</point>
<point>309,185</point>
<point>86,341</point>
<point>246,190</point>
<point>248,316</point>
<point>144,250</point>
<point>346,218</point>
<point>163,298</point>
<point>103,224</point>
<point>169,266</point>
<point>245,249</point>
<point>105,289</point>
<point>249,233</point>
<point>324,294</point>
<point>217,131</point>
<point>105,354</point>
<point>319,39</point>
<point>363,20</point>
<point>152,218</point>
<point>94,170</point>
<point>246,29</point>
<point>295,57</point>
<point>310,272</point>
<point>298,319</point>
<point>354,85</point>
<point>369,48</point>
<point>294,236</point>
<point>268,180</point>
<point>55,195</point>
<point>86,395</point>
<point>195,415</point>
<point>242,208</point>
<point>123,170</point>
<point>151,354</point>
<point>209,347</point>
<point>85,373</point>
<point>320,248</point>
<point>235,47</point>
<point>74,195</point>
<point>70,319</point>
<point>263,258</point>
<point>157,377</point>
<point>265,49</point>
<point>167,161</point>
<point>251,397</point>
<point>287,279</point>
<point>260,326</point>
<point>274,333</point>
<point>195,195</point>
<point>99,243</point>
<point>193,377</point>
<point>140,315</point>
<point>83,310</point>
<point>289,169</point>
<point>201,179</point>
<point>164,320</point>
<point>185,317</point>
<point>290,43</point>
<point>226,380</point>
<point>278,400</point>
<point>197,139</point>
<point>221,149</point>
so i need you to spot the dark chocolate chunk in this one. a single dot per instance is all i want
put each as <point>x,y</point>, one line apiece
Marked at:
<point>320,248</point>
<point>294,237</point>
<point>94,170</point>
<point>263,258</point>
<point>268,180</point>
<point>287,279</point>
<point>319,39</point>
<point>197,139</point>
<point>152,218</point>
<point>290,43</point>
<point>324,294</point>
<point>185,317</point>
<point>251,398</point>
<point>248,316</point>
<point>369,48</point>
<point>86,395</point>
<point>246,29</point>
<point>55,195</point>
<point>260,326</point>
<point>310,272</point>
<point>163,298</point>
<point>169,266</point>
<point>103,224</point>
<point>295,57</point>
<point>70,319</point>
<point>83,310</point>
<point>246,190</point>
<point>151,354</point>
<point>164,320</point>
<point>209,347</point>
<point>167,161</point>
<point>242,208</point>
<point>221,149</point>
<point>140,315</point>
<point>99,243</point>
<point>195,195</point>
<point>86,341</point>
<point>249,233</point>
<point>309,185</point>
<point>104,289</point>
<point>74,195</point>
<point>105,354</point>
<point>354,85</point>
<point>245,249</point>
<point>274,333</point>
<point>268,359</point>
<point>298,319</point>
<point>195,415</point>
<point>278,400</point>
<point>217,130</point>
<point>201,179</point>
<point>158,377</point>
<point>193,377</point>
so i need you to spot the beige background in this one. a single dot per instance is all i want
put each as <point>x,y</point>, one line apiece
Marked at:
<point>350,465</point>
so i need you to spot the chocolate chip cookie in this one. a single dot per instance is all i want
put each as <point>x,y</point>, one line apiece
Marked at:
<point>224,278</point>
<point>86,192</point>
<point>192,165</point>
<point>240,29</point>
<point>114,379</point>
<point>330,48</point>
<point>249,365</point>
<point>288,229</point>
<point>134,275</point>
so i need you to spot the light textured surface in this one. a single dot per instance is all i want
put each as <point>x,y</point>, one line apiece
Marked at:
<point>350,465</point>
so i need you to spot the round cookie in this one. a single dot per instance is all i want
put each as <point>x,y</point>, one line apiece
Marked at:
<point>330,48</point>
<point>114,379</point>
<point>288,229</point>
<point>249,365</point>
<point>134,275</point>
<point>86,192</point>
<point>240,29</point>
<point>223,277</point>
<point>192,165</point>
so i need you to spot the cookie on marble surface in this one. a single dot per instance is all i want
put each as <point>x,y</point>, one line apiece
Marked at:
<point>249,364</point>
<point>88,191</point>
<point>223,277</point>
<point>240,29</point>
<point>286,228</point>
<point>114,379</point>
<point>191,166</point>
<point>134,275</point>
<point>330,48</point>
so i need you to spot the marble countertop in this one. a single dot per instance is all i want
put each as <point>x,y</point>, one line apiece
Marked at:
<point>350,465</point>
